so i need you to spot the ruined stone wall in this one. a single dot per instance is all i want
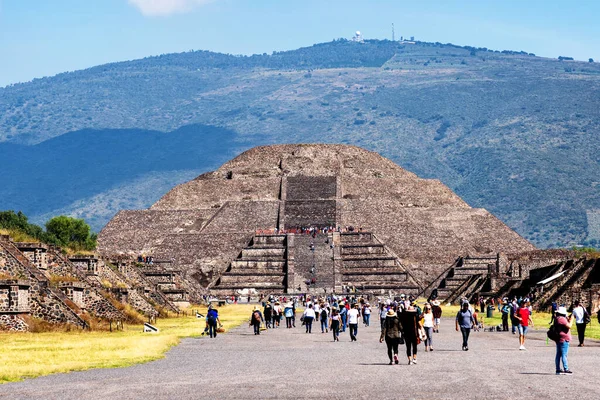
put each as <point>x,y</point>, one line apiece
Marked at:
<point>140,303</point>
<point>13,323</point>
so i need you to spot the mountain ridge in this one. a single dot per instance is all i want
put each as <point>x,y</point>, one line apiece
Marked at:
<point>508,131</point>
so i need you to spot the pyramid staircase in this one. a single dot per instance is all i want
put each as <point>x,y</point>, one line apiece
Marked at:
<point>260,266</point>
<point>577,271</point>
<point>464,278</point>
<point>367,265</point>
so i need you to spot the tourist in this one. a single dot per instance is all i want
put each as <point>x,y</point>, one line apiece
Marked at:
<point>324,319</point>
<point>367,314</point>
<point>562,324</point>
<point>391,332</point>
<point>334,325</point>
<point>523,315</point>
<point>256,319</point>
<point>212,319</point>
<point>505,310</point>
<point>436,309</point>
<point>289,315</point>
<point>409,321</point>
<point>428,323</point>
<point>317,310</point>
<point>308,317</point>
<point>382,314</point>
<point>464,320</point>
<point>277,311</point>
<point>268,314</point>
<point>343,315</point>
<point>513,319</point>
<point>581,316</point>
<point>353,316</point>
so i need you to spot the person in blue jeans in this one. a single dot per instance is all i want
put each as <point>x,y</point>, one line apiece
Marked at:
<point>344,315</point>
<point>464,320</point>
<point>212,319</point>
<point>324,320</point>
<point>562,324</point>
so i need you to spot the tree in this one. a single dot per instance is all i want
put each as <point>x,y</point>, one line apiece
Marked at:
<point>71,232</point>
<point>591,60</point>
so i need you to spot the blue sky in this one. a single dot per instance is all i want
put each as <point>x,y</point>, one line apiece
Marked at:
<point>45,37</point>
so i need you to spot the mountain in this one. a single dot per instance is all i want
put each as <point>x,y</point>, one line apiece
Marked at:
<point>507,131</point>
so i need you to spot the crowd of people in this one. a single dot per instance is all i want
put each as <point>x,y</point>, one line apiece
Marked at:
<point>404,322</point>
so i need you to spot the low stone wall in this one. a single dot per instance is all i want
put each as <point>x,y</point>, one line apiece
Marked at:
<point>13,323</point>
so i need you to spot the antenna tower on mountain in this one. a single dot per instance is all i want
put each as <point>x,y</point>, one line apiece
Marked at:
<point>393,34</point>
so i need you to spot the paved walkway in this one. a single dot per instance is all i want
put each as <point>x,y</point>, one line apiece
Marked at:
<point>287,363</point>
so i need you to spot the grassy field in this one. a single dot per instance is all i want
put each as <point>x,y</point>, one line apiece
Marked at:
<point>540,321</point>
<point>27,355</point>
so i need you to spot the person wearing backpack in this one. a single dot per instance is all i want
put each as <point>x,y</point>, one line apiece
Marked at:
<point>562,332</point>
<point>343,315</point>
<point>464,320</point>
<point>582,318</point>
<point>256,319</point>
<point>212,319</point>
<point>324,320</point>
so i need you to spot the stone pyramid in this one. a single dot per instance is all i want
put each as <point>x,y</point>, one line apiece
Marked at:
<point>239,226</point>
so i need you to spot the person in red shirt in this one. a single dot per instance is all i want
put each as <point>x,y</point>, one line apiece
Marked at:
<point>523,315</point>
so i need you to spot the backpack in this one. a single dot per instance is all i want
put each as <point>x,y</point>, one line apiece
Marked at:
<point>212,317</point>
<point>553,333</point>
<point>586,317</point>
<point>324,315</point>
<point>256,316</point>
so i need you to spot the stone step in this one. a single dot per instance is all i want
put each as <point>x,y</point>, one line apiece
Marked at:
<point>374,273</point>
<point>253,273</point>
<point>392,286</point>
<point>362,249</point>
<point>249,285</point>
<point>377,261</point>
<point>252,253</point>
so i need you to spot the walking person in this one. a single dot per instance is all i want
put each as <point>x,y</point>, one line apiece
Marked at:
<point>391,332</point>
<point>505,313</point>
<point>334,325</point>
<point>267,314</point>
<point>343,315</point>
<point>353,316</point>
<point>382,314</point>
<point>212,319</point>
<point>324,320</point>
<point>256,319</point>
<point>437,315</point>
<point>409,321</point>
<point>289,315</point>
<point>367,314</point>
<point>513,319</point>
<point>523,314</point>
<point>562,326</point>
<point>428,324</point>
<point>581,316</point>
<point>308,317</point>
<point>464,320</point>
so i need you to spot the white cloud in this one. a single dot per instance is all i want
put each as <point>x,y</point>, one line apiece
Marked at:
<point>166,7</point>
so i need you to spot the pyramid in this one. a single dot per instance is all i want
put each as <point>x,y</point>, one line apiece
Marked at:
<point>378,227</point>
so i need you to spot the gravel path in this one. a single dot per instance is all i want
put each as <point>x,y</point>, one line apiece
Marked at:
<point>287,363</point>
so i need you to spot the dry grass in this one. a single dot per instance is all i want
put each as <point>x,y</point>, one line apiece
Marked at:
<point>18,236</point>
<point>27,355</point>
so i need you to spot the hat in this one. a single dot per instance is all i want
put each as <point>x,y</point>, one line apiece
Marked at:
<point>255,308</point>
<point>402,296</point>
<point>391,313</point>
<point>436,303</point>
<point>562,310</point>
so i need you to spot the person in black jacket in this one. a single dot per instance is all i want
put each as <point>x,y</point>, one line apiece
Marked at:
<point>409,321</point>
<point>392,333</point>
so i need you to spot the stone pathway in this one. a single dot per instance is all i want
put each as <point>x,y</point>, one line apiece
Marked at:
<point>287,363</point>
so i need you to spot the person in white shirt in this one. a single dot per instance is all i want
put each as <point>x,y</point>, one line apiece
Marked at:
<point>579,313</point>
<point>317,310</point>
<point>428,323</point>
<point>308,317</point>
<point>353,316</point>
<point>367,314</point>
